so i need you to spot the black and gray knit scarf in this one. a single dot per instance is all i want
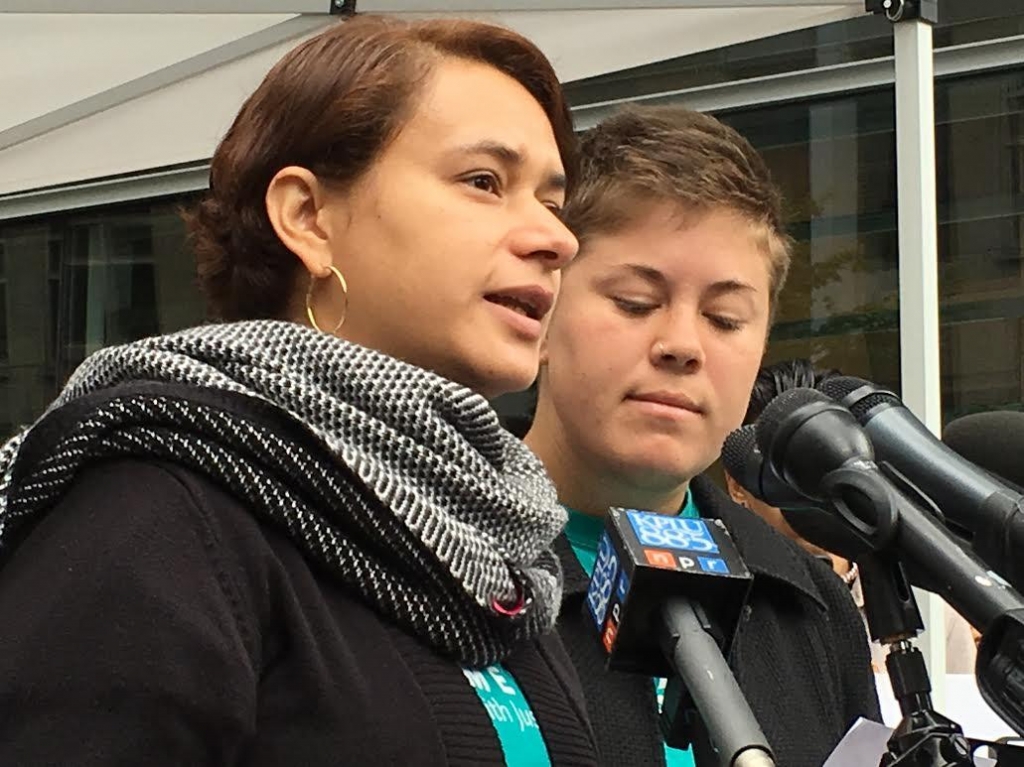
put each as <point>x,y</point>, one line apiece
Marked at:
<point>421,503</point>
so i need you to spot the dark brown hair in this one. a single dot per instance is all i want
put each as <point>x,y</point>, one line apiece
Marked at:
<point>332,105</point>
<point>643,156</point>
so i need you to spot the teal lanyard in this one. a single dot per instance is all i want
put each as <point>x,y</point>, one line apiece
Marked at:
<point>518,732</point>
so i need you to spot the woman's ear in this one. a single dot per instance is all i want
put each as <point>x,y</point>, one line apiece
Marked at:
<point>295,201</point>
<point>736,491</point>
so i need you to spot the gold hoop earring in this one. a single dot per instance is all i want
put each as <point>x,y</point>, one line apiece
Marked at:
<point>309,296</point>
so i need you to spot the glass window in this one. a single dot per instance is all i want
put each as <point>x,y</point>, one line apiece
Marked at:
<point>979,20</point>
<point>835,161</point>
<point>3,312</point>
<point>73,283</point>
<point>858,39</point>
<point>3,324</point>
<point>843,42</point>
<point>980,155</point>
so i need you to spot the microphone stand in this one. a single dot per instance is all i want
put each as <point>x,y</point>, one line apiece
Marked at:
<point>704,705</point>
<point>924,737</point>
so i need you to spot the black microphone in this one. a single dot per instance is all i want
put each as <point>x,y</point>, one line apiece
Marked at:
<point>817,446</point>
<point>814,521</point>
<point>973,503</point>
<point>666,597</point>
<point>994,441</point>
<point>742,458</point>
<point>811,520</point>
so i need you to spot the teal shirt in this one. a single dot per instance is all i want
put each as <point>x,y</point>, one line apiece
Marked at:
<point>513,719</point>
<point>584,533</point>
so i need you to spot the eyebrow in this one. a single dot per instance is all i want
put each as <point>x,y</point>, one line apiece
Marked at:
<point>657,279</point>
<point>510,157</point>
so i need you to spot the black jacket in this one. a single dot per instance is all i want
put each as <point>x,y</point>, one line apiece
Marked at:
<point>150,619</point>
<point>800,653</point>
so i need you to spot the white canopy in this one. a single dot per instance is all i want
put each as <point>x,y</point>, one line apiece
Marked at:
<point>132,85</point>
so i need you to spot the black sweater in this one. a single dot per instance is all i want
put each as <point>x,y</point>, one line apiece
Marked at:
<point>149,619</point>
<point>799,655</point>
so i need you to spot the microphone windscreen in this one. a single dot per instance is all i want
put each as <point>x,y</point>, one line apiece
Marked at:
<point>840,386</point>
<point>735,450</point>
<point>994,441</point>
<point>780,409</point>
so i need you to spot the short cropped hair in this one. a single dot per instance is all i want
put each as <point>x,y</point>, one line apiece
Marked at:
<point>644,156</point>
<point>332,105</point>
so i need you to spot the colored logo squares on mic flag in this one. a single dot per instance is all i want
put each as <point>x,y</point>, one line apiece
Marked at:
<point>608,637</point>
<point>713,565</point>
<point>602,582</point>
<point>679,533</point>
<point>623,585</point>
<point>666,560</point>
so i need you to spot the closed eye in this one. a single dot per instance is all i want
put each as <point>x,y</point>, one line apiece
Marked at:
<point>724,323</point>
<point>634,308</point>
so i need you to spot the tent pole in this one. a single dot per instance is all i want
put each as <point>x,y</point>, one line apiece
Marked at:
<point>917,204</point>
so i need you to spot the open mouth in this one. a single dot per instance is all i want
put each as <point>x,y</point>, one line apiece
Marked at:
<point>531,301</point>
<point>517,304</point>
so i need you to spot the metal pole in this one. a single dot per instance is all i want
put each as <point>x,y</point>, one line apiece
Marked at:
<point>918,265</point>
